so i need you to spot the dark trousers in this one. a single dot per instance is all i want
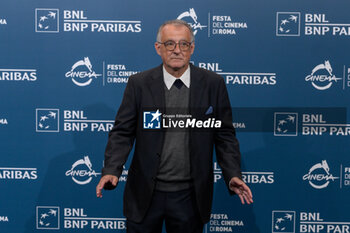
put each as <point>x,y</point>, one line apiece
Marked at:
<point>177,209</point>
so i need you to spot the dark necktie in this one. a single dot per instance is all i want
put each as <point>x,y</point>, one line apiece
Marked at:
<point>178,83</point>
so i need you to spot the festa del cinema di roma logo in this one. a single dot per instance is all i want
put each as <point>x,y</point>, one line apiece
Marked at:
<point>193,22</point>
<point>81,73</point>
<point>80,174</point>
<point>319,176</point>
<point>322,77</point>
<point>217,24</point>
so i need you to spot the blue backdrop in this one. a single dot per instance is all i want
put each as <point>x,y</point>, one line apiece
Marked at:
<point>64,66</point>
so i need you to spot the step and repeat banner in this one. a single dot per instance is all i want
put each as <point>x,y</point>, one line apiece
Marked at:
<point>65,64</point>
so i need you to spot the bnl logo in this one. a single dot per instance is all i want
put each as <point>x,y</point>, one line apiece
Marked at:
<point>286,124</point>
<point>48,217</point>
<point>151,120</point>
<point>46,20</point>
<point>288,24</point>
<point>283,221</point>
<point>47,120</point>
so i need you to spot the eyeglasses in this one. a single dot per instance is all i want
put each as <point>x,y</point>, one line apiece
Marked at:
<point>171,45</point>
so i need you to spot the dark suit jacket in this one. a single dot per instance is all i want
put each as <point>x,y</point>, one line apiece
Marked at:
<point>145,90</point>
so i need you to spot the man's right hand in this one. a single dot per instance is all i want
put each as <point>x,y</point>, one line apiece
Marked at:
<point>105,180</point>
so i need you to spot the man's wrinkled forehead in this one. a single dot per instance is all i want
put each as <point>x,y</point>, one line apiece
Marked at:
<point>170,30</point>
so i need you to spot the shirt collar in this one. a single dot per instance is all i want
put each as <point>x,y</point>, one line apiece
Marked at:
<point>169,79</point>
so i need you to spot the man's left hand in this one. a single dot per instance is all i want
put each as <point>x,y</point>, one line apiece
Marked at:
<point>242,190</point>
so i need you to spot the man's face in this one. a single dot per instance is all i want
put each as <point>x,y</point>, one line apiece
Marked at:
<point>176,60</point>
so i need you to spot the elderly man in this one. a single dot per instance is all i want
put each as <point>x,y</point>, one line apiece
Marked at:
<point>171,174</point>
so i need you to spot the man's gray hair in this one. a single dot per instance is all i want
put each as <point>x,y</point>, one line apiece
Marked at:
<point>178,22</point>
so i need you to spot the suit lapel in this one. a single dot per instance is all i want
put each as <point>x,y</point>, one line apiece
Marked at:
<point>196,94</point>
<point>156,86</point>
<point>196,88</point>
